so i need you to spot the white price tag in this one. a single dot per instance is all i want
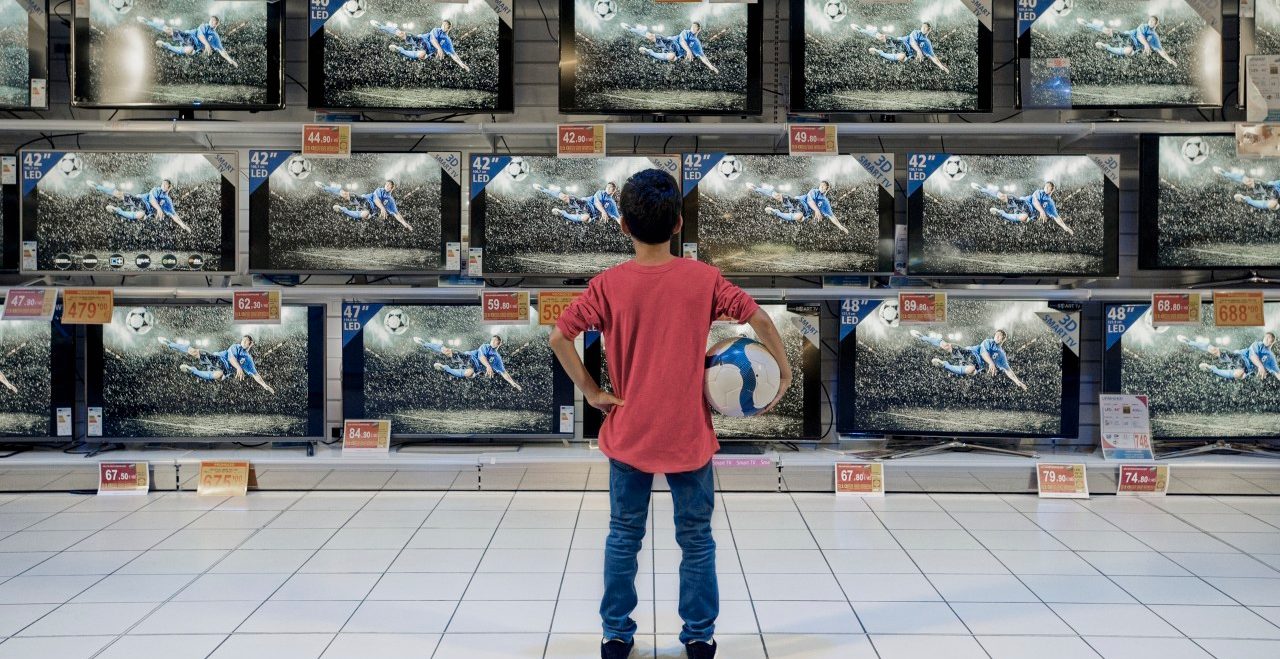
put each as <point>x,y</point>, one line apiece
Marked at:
<point>475,262</point>
<point>94,422</point>
<point>63,419</point>
<point>566,418</point>
<point>453,256</point>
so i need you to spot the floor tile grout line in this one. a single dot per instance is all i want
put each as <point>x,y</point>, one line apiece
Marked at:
<point>742,567</point>
<point>474,571</point>
<point>546,646</point>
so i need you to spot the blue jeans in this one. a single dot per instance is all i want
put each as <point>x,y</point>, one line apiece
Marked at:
<point>693,493</point>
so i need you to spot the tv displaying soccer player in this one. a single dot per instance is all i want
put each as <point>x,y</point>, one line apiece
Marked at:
<point>182,54</point>
<point>909,56</point>
<point>24,45</point>
<point>553,216</point>
<point>620,56</point>
<point>1121,53</point>
<point>37,362</point>
<point>128,212</point>
<point>784,214</point>
<point>1013,215</point>
<point>440,370</point>
<point>994,368</point>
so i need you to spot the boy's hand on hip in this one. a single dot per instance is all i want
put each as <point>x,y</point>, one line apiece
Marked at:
<point>604,401</point>
<point>784,383</point>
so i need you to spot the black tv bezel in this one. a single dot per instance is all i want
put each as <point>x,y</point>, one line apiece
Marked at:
<point>353,382</point>
<point>80,64</point>
<point>63,374</point>
<point>569,61</point>
<point>916,264</point>
<point>10,201</point>
<point>37,52</point>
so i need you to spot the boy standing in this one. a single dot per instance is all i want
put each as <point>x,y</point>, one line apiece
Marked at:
<point>656,312</point>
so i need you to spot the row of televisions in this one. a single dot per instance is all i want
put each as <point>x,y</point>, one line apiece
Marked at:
<point>632,56</point>
<point>995,368</point>
<point>400,213</point>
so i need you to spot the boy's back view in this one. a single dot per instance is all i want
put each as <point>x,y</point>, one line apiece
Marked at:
<point>655,312</point>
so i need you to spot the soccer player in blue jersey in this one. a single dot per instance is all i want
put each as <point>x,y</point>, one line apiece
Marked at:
<point>1038,205</point>
<point>1257,359</point>
<point>468,363</point>
<point>807,207</point>
<point>201,40</point>
<point>684,46</point>
<point>987,356</point>
<point>1140,39</point>
<point>214,366</point>
<point>914,46</point>
<point>379,201</point>
<point>1268,192</point>
<point>434,44</point>
<point>585,210</point>
<point>155,202</point>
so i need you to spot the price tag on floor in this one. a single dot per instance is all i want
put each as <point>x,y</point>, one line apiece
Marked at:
<point>123,478</point>
<point>326,140</point>
<point>864,479</point>
<point>1175,309</point>
<point>505,307</point>
<point>1061,481</point>
<point>922,307</point>
<point>1238,309</point>
<point>551,304</point>
<point>580,140</point>
<point>223,478</point>
<point>87,306</point>
<point>811,139</point>
<point>1143,480</point>
<point>260,306</point>
<point>366,436</point>
<point>30,303</point>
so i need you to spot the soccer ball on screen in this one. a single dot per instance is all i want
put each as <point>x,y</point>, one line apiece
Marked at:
<point>741,377</point>
<point>605,9</point>
<point>353,8</point>
<point>954,168</point>
<point>120,6</point>
<point>889,313</point>
<point>517,169</point>
<point>70,165</point>
<point>139,320</point>
<point>299,167</point>
<point>1062,7</point>
<point>1195,150</point>
<point>835,10</point>
<point>395,321</point>
<point>729,167</point>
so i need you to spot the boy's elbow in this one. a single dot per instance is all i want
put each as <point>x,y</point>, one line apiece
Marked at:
<point>558,338</point>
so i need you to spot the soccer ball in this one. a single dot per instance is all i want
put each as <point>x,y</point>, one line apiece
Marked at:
<point>954,168</point>
<point>299,167</point>
<point>517,169</point>
<point>1195,150</point>
<point>741,377</point>
<point>729,167</point>
<point>353,8</point>
<point>835,10</point>
<point>1062,7</point>
<point>120,6</point>
<point>70,165</point>
<point>605,9</point>
<point>889,313</point>
<point>139,320</point>
<point>395,321</point>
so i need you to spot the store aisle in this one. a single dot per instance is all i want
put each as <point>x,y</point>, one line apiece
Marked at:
<point>489,575</point>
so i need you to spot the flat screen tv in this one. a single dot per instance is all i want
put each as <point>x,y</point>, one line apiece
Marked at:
<point>411,55</point>
<point>24,44</point>
<point>778,215</point>
<point>438,370</point>
<point>178,54</point>
<point>37,378</point>
<point>995,368</point>
<point>1007,216</point>
<point>900,56</point>
<point>549,216</point>
<point>386,213</point>
<point>128,212</point>
<point>798,416</point>
<point>187,370</point>
<point>1202,382</point>
<point>1120,53</point>
<point>656,57</point>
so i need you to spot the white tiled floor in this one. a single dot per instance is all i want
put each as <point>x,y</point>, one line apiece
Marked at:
<point>469,575</point>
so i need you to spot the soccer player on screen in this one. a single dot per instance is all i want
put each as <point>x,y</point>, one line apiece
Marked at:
<point>429,45</point>
<point>585,210</point>
<point>1140,39</point>
<point>1268,192</point>
<point>155,202</point>
<point>987,356</point>
<point>1257,359</point>
<point>684,46</point>
<point>1038,205</point>
<point>379,201</point>
<point>807,207</point>
<point>467,363</point>
<point>214,366</point>
<point>914,46</point>
<point>202,40</point>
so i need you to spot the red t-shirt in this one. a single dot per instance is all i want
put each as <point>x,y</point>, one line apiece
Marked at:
<point>655,321</point>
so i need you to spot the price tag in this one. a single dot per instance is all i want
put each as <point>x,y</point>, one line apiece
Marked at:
<point>551,304</point>
<point>1175,309</point>
<point>93,421</point>
<point>453,256</point>
<point>261,306</point>
<point>566,419</point>
<point>1061,481</point>
<point>922,307</point>
<point>811,139</point>
<point>30,303</point>
<point>1143,480</point>
<point>1238,309</point>
<point>580,140</point>
<point>864,479</point>
<point>366,436</point>
<point>326,140</point>
<point>1125,421</point>
<point>123,478</point>
<point>223,478</point>
<point>505,308</point>
<point>62,418</point>
<point>475,262</point>
<point>87,306</point>
<point>689,250</point>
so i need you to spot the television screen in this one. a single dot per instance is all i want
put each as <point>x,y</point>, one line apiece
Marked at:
<point>1121,53</point>
<point>179,54</point>
<point>1013,215</point>
<point>798,415</point>
<point>128,211</point>
<point>651,56</point>
<point>9,213</point>
<point>785,214</point>
<point>188,370</point>
<point>411,55</point>
<point>37,377</point>
<point>899,56</point>
<point>1202,381</point>
<point>439,370</point>
<point>24,44</point>
<point>1203,207</point>
<point>544,215</point>
<point>995,368</point>
<point>372,212</point>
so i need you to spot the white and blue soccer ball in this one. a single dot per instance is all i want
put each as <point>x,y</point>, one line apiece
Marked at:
<point>955,168</point>
<point>298,167</point>
<point>395,321</point>
<point>835,11</point>
<point>729,167</point>
<point>1062,7</point>
<point>605,9</point>
<point>354,8</point>
<point>1194,150</point>
<point>120,6</point>
<point>889,313</point>
<point>139,320</point>
<point>741,377</point>
<point>517,169</point>
<point>71,165</point>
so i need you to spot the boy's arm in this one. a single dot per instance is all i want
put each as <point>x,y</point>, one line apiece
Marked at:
<point>768,334</point>
<point>568,355</point>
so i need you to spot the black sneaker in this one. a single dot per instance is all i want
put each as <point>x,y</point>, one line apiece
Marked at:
<point>616,648</point>
<point>701,649</point>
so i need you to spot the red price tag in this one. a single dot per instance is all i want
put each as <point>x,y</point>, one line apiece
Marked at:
<point>1061,481</point>
<point>87,306</point>
<point>1175,309</point>
<point>922,307</point>
<point>580,140</point>
<point>551,304</point>
<point>506,308</point>
<point>225,478</point>
<point>123,478</point>
<point>812,139</point>
<point>326,140</point>
<point>860,478</point>
<point>1238,309</point>
<point>256,307</point>
<point>1143,480</point>
<point>366,435</point>
<point>30,303</point>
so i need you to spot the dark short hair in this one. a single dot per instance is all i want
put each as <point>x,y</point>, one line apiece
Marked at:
<point>1001,331</point>
<point>1055,185</point>
<point>250,337</point>
<point>165,180</point>
<point>215,17</point>
<point>650,205</point>
<point>1270,334</point>
<point>699,25</point>
<point>495,336</point>
<point>824,182</point>
<point>927,24</point>
<point>392,182</point>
